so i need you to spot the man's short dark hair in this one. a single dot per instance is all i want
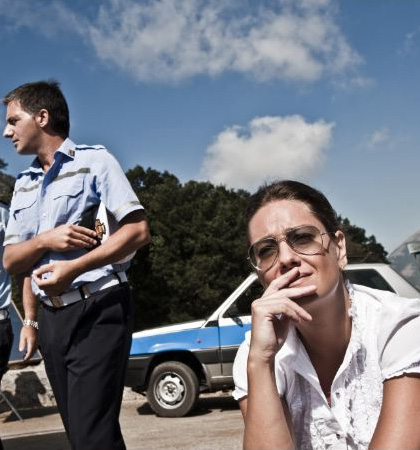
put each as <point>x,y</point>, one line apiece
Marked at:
<point>43,95</point>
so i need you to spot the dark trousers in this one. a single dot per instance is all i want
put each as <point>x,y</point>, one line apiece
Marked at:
<point>85,348</point>
<point>6,341</point>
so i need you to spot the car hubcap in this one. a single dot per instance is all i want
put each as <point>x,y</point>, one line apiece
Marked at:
<point>170,390</point>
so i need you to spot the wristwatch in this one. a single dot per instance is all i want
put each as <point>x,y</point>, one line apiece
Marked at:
<point>30,323</point>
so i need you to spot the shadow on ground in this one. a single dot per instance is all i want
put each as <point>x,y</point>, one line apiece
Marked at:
<point>52,441</point>
<point>31,413</point>
<point>205,405</point>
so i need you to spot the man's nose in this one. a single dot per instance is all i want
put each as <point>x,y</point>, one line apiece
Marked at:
<point>7,131</point>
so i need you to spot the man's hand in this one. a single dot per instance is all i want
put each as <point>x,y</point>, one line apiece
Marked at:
<point>69,237</point>
<point>28,341</point>
<point>19,258</point>
<point>62,274</point>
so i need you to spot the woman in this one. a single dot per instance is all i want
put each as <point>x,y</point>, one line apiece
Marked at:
<point>327,364</point>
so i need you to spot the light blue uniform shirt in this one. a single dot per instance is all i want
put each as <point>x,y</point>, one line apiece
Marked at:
<point>80,177</point>
<point>5,289</point>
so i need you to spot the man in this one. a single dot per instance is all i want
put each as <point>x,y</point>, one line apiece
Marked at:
<point>6,332</point>
<point>85,333</point>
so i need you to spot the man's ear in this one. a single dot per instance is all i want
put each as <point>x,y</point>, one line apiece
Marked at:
<point>42,118</point>
<point>341,250</point>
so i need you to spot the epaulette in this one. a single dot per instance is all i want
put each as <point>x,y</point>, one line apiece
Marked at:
<point>90,147</point>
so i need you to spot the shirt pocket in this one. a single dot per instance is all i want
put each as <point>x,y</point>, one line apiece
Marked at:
<point>68,202</point>
<point>26,213</point>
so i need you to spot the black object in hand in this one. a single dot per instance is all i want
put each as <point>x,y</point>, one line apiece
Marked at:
<point>89,220</point>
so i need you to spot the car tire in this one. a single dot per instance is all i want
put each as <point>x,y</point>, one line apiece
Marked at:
<point>173,389</point>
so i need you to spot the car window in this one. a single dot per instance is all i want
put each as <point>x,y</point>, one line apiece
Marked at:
<point>242,305</point>
<point>370,278</point>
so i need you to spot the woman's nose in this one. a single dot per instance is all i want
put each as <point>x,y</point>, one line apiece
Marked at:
<point>287,258</point>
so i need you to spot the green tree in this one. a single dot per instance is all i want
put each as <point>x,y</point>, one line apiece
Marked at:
<point>197,254</point>
<point>362,248</point>
<point>3,164</point>
<point>6,184</point>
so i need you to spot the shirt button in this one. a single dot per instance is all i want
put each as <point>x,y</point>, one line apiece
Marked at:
<point>337,394</point>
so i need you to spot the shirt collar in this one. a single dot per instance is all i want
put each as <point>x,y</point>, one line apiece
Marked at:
<point>67,149</point>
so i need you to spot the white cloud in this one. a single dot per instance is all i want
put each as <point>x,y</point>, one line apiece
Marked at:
<point>173,40</point>
<point>379,138</point>
<point>411,43</point>
<point>268,148</point>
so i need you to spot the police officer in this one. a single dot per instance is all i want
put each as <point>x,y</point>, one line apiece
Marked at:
<point>6,332</point>
<point>85,333</point>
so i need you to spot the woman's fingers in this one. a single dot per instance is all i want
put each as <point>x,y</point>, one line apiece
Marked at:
<point>282,281</point>
<point>280,306</point>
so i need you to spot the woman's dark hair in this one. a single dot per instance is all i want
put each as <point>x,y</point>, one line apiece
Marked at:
<point>43,95</point>
<point>294,190</point>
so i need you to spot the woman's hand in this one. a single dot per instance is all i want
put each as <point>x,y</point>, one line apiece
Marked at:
<point>272,313</point>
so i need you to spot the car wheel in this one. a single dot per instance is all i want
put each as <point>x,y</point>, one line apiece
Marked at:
<point>173,389</point>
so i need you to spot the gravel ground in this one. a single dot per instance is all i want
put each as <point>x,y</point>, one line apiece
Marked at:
<point>215,424</point>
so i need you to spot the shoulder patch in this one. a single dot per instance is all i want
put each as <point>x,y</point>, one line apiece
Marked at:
<point>90,147</point>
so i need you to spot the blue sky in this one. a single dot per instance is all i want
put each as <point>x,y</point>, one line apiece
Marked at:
<point>239,92</point>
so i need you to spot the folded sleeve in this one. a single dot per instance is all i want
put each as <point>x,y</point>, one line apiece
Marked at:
<point>240,377</point>
<point>114,189</point>
<point>4,218</point>
<point>399,338</point>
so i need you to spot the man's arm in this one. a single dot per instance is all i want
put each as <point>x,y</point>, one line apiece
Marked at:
<point>19,258</point>
<point>29,333</point>
<point>132,235</point>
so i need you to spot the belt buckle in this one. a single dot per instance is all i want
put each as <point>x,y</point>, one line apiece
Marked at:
<point>56,301</point>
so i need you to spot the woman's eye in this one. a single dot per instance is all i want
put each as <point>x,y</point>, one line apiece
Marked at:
<point>302,238</point>
<point>266,251</point>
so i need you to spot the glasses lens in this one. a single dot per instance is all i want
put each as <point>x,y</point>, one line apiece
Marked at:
<point>305,240</point>
<point>263,253</point>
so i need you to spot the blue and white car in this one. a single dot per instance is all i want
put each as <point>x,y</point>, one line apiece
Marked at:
<point>173,364</point>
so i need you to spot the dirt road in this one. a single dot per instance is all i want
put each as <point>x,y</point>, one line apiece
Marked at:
<point>216,424</point>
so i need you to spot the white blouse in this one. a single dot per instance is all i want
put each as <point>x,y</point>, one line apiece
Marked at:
<point>384,343</point>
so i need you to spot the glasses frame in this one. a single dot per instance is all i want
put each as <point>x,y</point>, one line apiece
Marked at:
<point>284,238</point>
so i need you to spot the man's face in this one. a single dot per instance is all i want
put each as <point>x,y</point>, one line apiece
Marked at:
<point>22,129</point>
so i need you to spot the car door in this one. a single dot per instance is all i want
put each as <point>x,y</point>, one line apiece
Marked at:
<point>234,322</point>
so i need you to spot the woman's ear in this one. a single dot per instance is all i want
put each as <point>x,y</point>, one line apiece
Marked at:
<point>341,250</point>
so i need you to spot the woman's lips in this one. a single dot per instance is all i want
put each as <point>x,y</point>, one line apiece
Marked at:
<point>299,280</point>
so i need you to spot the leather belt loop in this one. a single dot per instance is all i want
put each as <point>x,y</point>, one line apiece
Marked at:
<point>118,277</point>
<point>84,290</point>
<point>82,294</point>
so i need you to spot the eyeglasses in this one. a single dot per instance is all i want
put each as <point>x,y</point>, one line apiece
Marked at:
<point>304,240</point>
